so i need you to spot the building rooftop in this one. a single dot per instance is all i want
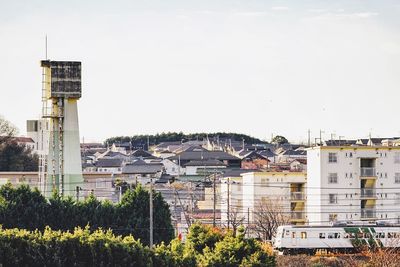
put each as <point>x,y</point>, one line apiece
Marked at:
<point>110,163</point>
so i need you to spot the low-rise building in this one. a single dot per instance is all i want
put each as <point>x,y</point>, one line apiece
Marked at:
<point>250,189</point>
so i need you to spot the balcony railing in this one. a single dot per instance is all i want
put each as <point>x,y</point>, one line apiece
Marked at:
<point>368,192</point>
<point>297,215</point>
<point>368,213</point>
<point>297,196</point>
<point>367,171</point>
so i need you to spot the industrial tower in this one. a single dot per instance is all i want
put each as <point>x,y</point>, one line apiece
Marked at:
<point>61,168</point>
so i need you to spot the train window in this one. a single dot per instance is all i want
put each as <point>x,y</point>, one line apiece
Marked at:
<point>331,235</point>
<point>303,235</point>
<point>380,235</point>
<point>360,235</point>
<point>346,235</point>
<point>322,235</point>
<point>337,235</point>
<point>293,234</point>
<point>390,235</point>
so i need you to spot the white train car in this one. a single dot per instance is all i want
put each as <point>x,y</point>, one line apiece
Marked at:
<point>292,239</point>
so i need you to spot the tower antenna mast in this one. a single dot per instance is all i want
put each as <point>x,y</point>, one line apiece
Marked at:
<point>46,47</point>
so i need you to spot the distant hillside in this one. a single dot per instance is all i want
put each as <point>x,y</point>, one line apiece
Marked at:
<point>171,137</point>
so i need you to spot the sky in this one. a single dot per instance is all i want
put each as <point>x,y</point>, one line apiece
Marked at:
<point>256,67</point>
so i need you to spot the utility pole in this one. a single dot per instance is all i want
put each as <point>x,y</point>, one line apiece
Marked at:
<point>228,204</point>
<point>248,222</point>
<point>120,194</point>
<point>151,212</point>
<point>320,137</point>
<point>77,193</point>
<point>179,167</point>
<point>214,200</point>
<point>309,138</point>
<point>176,216</point>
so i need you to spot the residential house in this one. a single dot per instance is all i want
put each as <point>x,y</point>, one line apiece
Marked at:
<point>298,165</point>
<point>110,165</point>
<point>253,160</point>
<point>205,166</point>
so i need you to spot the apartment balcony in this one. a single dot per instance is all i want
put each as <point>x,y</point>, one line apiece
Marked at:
<point>368,193</point>
<point>368,213</point>
<point>297,215</point>
<point>368,172</point>
<point>297,196</point>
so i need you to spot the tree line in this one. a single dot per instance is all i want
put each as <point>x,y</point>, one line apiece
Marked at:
<point>25,208</point>
<point>141,140</point>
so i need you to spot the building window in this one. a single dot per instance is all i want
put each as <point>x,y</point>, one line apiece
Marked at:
<point>397,177</point>
<point>332,198</point>
<point>397,198</point>
<point>397,157</point>
<point>351,175</point>
<point>333,178</point>
<point>351,155</point>
<point>101,183</point>
<point>332,157</point>
<point>303,235</point>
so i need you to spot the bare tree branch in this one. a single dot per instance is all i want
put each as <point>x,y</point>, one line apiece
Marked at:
<point>268,215</point>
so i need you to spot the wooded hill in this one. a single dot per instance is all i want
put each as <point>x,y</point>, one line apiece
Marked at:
<point>178,137</point>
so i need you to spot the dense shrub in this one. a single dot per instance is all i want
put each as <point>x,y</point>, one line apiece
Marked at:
<point>83,247</point>
<point>79,248</point>
<point>208,246</point>
<point>25,208</point>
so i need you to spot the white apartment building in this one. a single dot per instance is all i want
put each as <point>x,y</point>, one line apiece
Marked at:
<point>246,192</point>
<point>353,183</point>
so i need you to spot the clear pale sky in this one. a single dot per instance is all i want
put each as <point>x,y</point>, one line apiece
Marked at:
<point>249,66</point>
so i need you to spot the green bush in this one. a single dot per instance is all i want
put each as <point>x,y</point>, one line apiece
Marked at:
<point>83,247</point>
<point>25,208</point>
<point>208,246</point>
<point>79,248</point>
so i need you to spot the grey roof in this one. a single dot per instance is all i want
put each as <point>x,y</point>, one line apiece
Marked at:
<point>251,154</point>
<point>194,148</point>
<point>165,178</point>
<point>199,155</point>
<point>111,154</point>
<point>87,165</point>
<point>139,168</point>
<point>138,162</point>
<point>337,142</point>
<point>166,144</point>
<point>294,152</point>
<point>142,153</point>
<point>208,162</point>
<point>266,153</point>
<point>112,163</point>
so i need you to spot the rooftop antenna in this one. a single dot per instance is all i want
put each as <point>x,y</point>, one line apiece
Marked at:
<point>46,47</point>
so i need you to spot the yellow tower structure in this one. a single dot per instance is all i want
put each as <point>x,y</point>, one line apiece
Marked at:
<point>61,168</point>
